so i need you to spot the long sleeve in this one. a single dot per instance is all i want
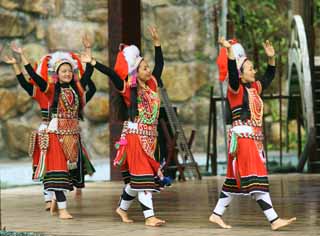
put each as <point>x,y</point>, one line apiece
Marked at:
<point>116,80</point>
<point>158,67</point>
<point>38,79</point>
<point>234,82</point>
<point>24,84</point>
<point>91,90</point>
<point>268,77</point>
<point>86,75</point>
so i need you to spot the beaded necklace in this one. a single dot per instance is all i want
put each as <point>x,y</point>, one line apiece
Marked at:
<point>255,105</point>
<point>70,99</point>
<point>148,106</point>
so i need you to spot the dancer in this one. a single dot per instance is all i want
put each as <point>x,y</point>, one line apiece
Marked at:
<point>61,165</point>
<point>138,86</point>
<point>36,137</point>
<point>246,172</point>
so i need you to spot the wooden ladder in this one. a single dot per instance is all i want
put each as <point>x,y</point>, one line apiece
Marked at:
<point>188,162</point>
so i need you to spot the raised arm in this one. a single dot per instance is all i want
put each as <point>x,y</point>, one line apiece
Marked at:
<point>116,80</point>
<point>86,77</point>
<point>89,68</point>
<point>37,79</point>
<point>271,69</point>
<point>22,81</point>
<point>91,90</point>
<point>158,67</point>
<point>234,82</point>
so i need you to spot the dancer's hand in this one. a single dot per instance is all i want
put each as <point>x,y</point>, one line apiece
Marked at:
<point>86,58</point>
<point>224,43</point>
<point>9,60</point>
<point>155,36</point>
<point>86,41</point>
<point>268,48</point>
<point>16,48</point>
<point>160,174</point>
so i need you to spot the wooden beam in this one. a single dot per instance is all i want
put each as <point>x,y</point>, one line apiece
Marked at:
<point>124,27</point>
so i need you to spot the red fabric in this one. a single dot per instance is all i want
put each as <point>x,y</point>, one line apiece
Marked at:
<point>36,153</point>
<point>121,66</point>
<point>236,97</point>
<point>137,161</point>
<point>75,57</point>
<point>249,161</point>
<point>44,68</point>
<point>55,158</point>
<point>222,62</point>
<point>40,97</point>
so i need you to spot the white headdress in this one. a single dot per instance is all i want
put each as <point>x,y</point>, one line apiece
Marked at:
<point>59,58</point>
<point>239,54</point>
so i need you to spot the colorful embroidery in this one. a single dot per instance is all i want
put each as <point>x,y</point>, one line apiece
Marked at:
<point>256,106</point>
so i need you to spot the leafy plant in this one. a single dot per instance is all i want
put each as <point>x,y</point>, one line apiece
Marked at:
<point>257,21</point>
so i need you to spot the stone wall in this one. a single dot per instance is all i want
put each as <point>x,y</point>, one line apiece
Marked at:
<point>188,44</point>
<point>42,26</point>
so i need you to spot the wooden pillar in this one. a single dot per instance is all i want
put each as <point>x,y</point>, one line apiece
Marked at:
<point>124,27</point>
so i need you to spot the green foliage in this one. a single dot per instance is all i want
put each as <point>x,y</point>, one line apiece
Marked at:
<point>317,12</point>
<point>257,21</point>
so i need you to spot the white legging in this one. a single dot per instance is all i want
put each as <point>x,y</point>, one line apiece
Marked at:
<point>263,199</point>
<point>144,197</point>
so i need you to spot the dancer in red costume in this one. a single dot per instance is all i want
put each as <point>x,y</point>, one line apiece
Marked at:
<point>62,164</point>
<point>34,148</point>
<point>138,86</point>
<point>246,172</point>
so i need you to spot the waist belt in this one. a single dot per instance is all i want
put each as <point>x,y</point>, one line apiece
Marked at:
<point>140,129</point>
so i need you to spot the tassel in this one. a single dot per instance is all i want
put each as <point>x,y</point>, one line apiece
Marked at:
<point>236,171</point>
<point>121,152</point>
<point>44,144</point>
<point>233,144</point>
<point>39,173</point>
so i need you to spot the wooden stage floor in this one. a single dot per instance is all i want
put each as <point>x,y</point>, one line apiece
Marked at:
<point>185,206</point>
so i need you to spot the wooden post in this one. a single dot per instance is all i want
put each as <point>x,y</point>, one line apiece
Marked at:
<point>124,27</point>
<point>214,141</point>
<point>209,130</point>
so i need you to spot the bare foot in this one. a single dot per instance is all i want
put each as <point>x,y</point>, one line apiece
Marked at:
<point>279,223</point>
<point>218,220</point>
<point>53,207</point>
<point>78,193</point>
<point>48,206</point>
<point>154,221</point>
<point>124,215</point>
<point>64,214</point>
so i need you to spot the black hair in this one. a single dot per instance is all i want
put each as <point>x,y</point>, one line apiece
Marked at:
<point>133,109</point>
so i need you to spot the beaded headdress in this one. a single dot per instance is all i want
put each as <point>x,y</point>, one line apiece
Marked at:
<point>49,65</point>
